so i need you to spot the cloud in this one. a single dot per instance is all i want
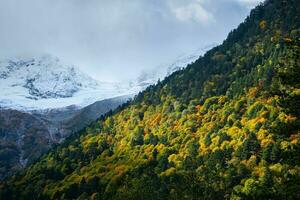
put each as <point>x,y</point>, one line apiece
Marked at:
<point>193,11</point>
<point>115,40</point>
<point>249,3</point>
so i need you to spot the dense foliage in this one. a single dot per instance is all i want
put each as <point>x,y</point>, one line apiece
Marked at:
<point>226,127</point>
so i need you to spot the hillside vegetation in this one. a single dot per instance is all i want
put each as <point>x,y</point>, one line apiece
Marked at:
<point>225,127</point>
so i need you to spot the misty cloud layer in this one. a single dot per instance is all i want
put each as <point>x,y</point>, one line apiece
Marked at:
<point>115,40</point>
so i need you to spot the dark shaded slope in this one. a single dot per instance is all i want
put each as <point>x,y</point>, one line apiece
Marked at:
<point>24,137</point>
<point>91,113</point>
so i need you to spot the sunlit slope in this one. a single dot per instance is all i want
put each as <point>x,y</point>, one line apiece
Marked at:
<point>226,127</point>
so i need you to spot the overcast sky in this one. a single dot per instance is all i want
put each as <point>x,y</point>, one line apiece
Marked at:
<point>114,40</point>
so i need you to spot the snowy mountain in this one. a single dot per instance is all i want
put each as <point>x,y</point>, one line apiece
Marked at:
<point>151,77</point>
<point>46,82</point>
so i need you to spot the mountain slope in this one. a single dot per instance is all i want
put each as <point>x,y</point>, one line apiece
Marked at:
<point>226,127</point>
<point>47,78</point>
<point>24,136</point>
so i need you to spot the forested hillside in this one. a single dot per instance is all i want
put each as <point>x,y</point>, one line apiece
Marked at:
<point>226,127</point>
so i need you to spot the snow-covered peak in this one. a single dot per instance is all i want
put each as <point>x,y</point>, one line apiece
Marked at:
<point>44,77</point>
<point>46,82</point>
